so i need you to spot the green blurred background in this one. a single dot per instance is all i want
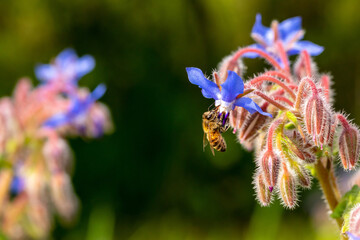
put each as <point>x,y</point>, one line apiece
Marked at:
<point>151,178</point>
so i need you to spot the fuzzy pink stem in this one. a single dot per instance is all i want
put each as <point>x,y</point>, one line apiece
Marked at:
<point>283,55</point>
<point>307,62</point>
<point>262,53</point>
<point>270,100</point>
<point>271,132</point>
<point>284,99</point>
<point>262,78</point>
<point>280,75</point>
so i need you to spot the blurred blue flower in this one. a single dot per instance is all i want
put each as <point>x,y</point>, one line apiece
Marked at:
<point>290,33</point>
<point>226,98</point>
<point>352,236</point>
<point>67,67</point>
<point>17,184</point>
<point>78,108</point>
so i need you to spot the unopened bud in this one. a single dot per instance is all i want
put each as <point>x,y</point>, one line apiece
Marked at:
<point>302,175</point>
<point>354,222</point>
<point>349,146</point>
<point>252,124</point>
<point>21,93</point>
<point>63,196</point>
<point>57,154</point>
<point>287,188</point>
<point>299,150</point>
<point>237,117</point>
<point>317,120</point>
<point>269,164</point>
<point>263,192</point>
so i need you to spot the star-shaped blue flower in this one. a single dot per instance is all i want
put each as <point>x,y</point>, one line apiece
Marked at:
<point>78,108</point>
<point>67,67</point>
<point>226,98</point>
<point>290,33</point>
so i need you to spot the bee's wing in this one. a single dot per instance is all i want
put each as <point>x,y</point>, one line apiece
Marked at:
<point>204,142</point>
<point>212,149</point>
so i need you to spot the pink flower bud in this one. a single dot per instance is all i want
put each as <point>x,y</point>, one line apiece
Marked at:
<point>263,192</point>
<point>349,146</point>
<point>21,93</point>
<point>63,196</point>
<point>287,188</point>
<point>57,154</point>
<point>251,125</point>
<point>237,117</point>
<point>269,165</point>
<point>302,175</point>
<point>354,221</point>
<point>317,120</point>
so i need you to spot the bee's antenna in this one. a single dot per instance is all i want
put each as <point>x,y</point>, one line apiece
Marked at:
<point>210,106</point>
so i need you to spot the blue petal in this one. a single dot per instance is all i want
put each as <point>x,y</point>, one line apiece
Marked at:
<point>250,106</point>
<point>98,92</point>
<point>77,108</point>
<point>209,88</point>
<point>17,185</point>
<point>352,236</point>
<point>260,31</point>
<point>232,87</point>
<point>84,65</point>
<point>45,72</point>
<point>289,26</point>
<point>65,56</point>
<point>312,48</point>
<point>56,120</point>
<point>253,54</point>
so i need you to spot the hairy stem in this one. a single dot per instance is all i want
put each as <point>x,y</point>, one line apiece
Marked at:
<point>284,57</point>
<point>280,75</point>
<point>307,62</point>
<point>262,53</point>
<point>270,100</point>
<point>325,175</point>
<point>262,78</point>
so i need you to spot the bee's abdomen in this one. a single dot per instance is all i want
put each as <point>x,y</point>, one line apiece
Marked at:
<point>218,142</point>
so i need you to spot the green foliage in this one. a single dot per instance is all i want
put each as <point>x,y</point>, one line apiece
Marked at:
<point>343,209</point>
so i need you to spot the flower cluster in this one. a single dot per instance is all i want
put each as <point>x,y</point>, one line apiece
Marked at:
<point>36,159</point>
<point>305,134</point>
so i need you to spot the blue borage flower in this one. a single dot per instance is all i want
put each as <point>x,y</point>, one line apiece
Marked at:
<point>67,67</point>
<point>226,98</point>
<point>78,108</point>
<point>290,33</point>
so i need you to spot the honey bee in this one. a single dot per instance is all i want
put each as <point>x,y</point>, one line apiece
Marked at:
<point>213,125</point>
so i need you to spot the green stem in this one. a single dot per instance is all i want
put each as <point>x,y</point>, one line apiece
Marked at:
<point>327,180</point>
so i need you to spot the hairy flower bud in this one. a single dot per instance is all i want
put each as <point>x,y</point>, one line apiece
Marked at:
<point>269,164</point>
<point>63,196</point>
<point>237,117</point>
<point>298,148</point>
<point>317,120</point>
<point>349,146</point>
<point>263,192</point>
<point>57,154</point>
<point>354,223</point>
<point>287,188</point>
<point>252,124</point>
